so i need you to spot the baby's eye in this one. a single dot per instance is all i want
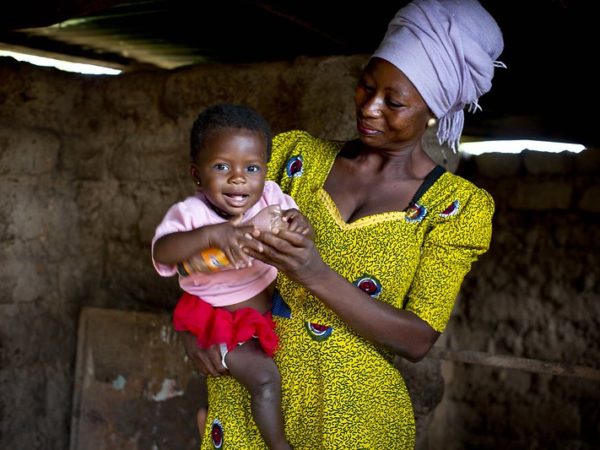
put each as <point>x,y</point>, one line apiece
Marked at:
<point>253,168</point>
<point>221,167</point>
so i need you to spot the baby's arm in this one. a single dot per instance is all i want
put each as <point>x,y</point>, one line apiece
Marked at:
<point>180,246</point>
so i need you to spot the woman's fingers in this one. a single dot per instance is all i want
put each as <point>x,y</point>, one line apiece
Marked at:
<point>214,361</point>
<point>291,253</point>
<point>269,248</point>
<point>283,240</point>
<point>287,251</point>
<point>207,361</point>
<point>296,238</point>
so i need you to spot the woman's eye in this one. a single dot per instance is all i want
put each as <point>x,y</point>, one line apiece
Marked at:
<point>394,104</point>
<point>363,84</point>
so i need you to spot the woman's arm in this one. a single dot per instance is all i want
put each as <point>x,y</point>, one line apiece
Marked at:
<point>401,331</point>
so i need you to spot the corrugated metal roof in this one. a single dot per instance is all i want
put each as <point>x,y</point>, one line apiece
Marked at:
<point>169,34</point>
<point>549,44</point>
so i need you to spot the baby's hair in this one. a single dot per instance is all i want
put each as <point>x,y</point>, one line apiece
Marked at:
<point>226,115</point>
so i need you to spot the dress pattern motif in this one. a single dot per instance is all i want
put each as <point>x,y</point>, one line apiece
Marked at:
<point>341,392</point>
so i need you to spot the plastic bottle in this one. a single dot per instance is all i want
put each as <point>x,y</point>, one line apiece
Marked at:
<point>214,260</point>
<point>208,260</point>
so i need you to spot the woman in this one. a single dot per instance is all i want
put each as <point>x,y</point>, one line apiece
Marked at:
<point>394,237</point>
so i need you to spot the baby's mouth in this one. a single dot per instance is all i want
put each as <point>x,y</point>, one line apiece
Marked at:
<point>236,199</point>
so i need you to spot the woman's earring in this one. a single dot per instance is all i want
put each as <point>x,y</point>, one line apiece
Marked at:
<point>431,122</point>
<point>198,182</point>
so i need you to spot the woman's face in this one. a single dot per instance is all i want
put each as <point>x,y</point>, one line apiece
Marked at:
<point>231,169</point>
<point>390,112</point>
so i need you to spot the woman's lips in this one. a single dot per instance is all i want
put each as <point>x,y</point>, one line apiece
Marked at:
<point>366,130</point>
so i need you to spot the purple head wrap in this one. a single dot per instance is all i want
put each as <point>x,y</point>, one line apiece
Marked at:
<point>448,50</point>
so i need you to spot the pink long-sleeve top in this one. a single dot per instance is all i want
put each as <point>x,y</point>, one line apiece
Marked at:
<point>229,286</point>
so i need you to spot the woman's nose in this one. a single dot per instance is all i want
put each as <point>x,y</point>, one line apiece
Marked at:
<point>372,107</point>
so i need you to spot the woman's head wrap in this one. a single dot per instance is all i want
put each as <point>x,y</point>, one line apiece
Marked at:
<point>448,50</point>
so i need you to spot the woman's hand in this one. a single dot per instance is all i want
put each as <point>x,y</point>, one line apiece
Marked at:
<point>291,252</point>
<point>207,361</point>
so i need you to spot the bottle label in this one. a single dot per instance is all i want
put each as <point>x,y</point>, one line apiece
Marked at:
<point>214,259</point>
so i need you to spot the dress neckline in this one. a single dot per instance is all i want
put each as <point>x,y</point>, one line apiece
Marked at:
<point>429,181</point>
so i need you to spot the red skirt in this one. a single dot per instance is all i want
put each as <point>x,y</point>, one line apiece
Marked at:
<point>213,325</point>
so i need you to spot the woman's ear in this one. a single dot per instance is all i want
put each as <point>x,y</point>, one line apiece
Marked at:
<point>195,173</point>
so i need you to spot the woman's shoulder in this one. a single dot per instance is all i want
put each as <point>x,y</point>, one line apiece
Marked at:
<point>296,151</point>
<point>297,139</point>
<point>302,138</point>
<point>452,189</point>
<point>461,183</point>
<point>292,136</point>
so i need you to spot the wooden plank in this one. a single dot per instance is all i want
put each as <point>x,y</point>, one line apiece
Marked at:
<point>515,363</point>
<point>134,388</point>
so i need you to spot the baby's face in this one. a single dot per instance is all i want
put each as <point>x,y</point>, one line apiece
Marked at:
<point>231,168</point>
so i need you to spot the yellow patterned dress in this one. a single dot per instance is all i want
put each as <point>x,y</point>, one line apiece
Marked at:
<point>340,391</point>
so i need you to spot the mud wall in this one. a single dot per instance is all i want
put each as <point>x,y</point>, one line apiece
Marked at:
<point>88,165</point>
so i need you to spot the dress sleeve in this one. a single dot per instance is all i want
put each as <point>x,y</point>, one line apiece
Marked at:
<point>281,163</point>
<point>448,251</point>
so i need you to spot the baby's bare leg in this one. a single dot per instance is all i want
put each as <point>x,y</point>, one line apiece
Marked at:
<point>259,374</point>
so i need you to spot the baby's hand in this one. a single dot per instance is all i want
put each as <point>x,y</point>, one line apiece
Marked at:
<point>267,218</point>
<point>297,222</point>
<point>231,237</point>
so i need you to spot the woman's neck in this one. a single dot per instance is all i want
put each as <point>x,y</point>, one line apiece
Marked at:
<point>407,162</point>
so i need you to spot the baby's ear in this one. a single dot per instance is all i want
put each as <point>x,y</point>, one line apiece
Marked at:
<point>195,173</point>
